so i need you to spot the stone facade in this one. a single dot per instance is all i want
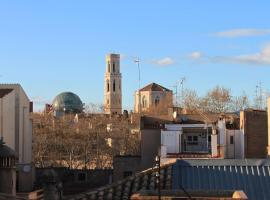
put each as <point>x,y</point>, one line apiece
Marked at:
<point>153,98</point>
<point>76,180</point>
<point>254,125</point>
<point>149,149</point>
<point>124,166</point>
<point>113,85</point>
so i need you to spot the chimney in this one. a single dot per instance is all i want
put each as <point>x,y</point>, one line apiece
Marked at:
<point>268,116</point>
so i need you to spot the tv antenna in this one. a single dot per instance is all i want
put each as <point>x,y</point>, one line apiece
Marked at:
<point>182,81</point>
<point>259,96</point>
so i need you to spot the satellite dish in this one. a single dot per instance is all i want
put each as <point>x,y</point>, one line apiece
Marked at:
<point>174,114</point>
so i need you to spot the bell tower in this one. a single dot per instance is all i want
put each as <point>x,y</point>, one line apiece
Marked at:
<point>113,85</point>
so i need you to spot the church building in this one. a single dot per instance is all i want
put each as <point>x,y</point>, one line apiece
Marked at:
<point>153,98</point>
<point>112,86</point>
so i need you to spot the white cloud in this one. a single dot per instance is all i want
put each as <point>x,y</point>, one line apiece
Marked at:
<point>164,61</point>
<point>260,58</point>
<point>242,33</point>
<point>196,55</point>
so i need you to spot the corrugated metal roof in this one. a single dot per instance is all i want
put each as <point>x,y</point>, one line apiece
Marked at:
<point>250,175</point>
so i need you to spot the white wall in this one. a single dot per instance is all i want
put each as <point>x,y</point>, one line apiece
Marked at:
<point>235,150</point>
<point>25,128</point>
<point>171,139</point>
<point>24,125</point>
<point>9,119</point>
<point>222,132</point>
<point>16,105</point>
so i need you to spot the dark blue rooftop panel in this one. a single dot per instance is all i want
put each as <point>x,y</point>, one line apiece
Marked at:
<point>250,175</point>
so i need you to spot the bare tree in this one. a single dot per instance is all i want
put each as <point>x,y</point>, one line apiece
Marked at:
<point>217,100</point>
<point>240,102</point>
<point>191,100</point>
<point>94,108</point>
<point>81,143</point>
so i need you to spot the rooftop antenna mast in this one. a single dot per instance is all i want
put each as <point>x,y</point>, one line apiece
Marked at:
<point>259,97</point>
<point>137,60</point>
<point>182,80</point>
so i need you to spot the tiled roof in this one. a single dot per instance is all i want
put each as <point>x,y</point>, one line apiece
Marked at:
<point>123,189</point>
<point>252,176</point>
<point>211,117</point>
<point>154,87</point>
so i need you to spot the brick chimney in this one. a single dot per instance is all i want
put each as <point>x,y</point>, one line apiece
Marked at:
<point>268,112</point>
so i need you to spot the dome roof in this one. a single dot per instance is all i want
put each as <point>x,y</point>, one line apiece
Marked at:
<point>68,102</point>
<point>6,151</point>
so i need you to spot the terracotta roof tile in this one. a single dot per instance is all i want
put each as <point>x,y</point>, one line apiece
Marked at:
<point>154,87</point>
<point>125,188</point>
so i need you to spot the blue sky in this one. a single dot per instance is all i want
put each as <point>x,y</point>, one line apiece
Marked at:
<point>54,46</point>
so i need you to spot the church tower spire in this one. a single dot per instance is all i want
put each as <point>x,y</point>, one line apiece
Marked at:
<point>113,85</point>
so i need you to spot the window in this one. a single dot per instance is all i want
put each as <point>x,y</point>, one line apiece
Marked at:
<point>108,101</point>
<point>156,100</point>
<point>108,86</point>
<point>144,102</point>
<point>109,67</point>
<point>192,140</point>
<point>209,138</point>
<point>113,67</point>
<point>114,85</point>
<point>231,140</point>
<point>119,85</point>
<point>127,174</point>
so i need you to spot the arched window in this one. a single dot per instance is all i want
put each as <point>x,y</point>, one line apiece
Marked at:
<point>113,67</point>
<point>144,102</point>
<point>108,86</point>
<point>109,67</point>
<point>119,85</point>
<point>156,100</point>
<point>114,85</point>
